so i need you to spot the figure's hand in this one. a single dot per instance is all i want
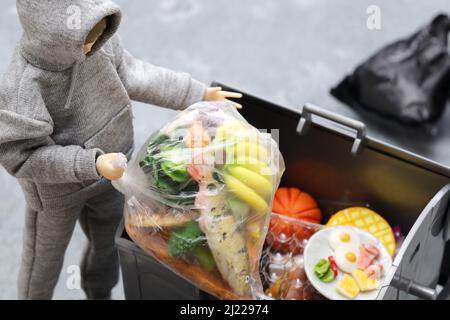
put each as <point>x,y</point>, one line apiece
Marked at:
<point>216,94</point>
<point>111,165</point>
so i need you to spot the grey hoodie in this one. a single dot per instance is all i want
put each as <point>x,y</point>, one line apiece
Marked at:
<point>61,109</point>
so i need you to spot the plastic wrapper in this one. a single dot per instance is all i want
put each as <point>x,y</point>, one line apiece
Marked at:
<point>282,269</point>
<point>199,196</point>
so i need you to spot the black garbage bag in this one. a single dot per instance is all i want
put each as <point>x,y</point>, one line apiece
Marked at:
<point>407,80</point>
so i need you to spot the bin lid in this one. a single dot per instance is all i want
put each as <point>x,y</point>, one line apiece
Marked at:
<point>416,268</point>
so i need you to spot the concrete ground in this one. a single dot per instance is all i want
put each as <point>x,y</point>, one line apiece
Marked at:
<point>289,51</point>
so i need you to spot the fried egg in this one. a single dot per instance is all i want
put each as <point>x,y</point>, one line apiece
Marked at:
<point>347,257</point>
<point>343,236</point>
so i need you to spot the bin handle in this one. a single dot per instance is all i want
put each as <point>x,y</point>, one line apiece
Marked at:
<point>359,127</point>
<point>415,289</point>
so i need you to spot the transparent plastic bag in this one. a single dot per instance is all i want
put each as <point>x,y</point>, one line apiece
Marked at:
<point>282,269</point>
<point>199,197</point>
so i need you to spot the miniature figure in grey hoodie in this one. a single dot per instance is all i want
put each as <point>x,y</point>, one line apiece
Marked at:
<point>64,112</point>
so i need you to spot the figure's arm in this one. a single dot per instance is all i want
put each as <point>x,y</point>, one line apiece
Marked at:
<point>28,152</point>
<point>38,158</point>
<point>145,82</point>
<point>160,86</point>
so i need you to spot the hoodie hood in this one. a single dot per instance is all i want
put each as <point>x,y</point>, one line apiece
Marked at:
<point>55,31</point>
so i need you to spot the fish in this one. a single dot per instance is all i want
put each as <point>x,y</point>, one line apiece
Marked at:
<point>221,228</point>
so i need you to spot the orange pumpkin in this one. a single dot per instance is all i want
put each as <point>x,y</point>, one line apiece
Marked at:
<point>296,204</point>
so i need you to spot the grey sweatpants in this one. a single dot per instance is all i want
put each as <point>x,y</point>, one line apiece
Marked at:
<point>47,236</point>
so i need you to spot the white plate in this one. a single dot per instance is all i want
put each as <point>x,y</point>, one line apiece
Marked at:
<point>318,248</point>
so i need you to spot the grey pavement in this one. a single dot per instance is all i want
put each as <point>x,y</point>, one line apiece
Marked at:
<point>287,51</point>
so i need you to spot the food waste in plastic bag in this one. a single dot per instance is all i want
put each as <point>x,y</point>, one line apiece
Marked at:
<point>282,267</point>
<point>199,197</point>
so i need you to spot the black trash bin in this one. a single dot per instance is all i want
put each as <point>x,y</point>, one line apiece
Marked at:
<point>333,158</point>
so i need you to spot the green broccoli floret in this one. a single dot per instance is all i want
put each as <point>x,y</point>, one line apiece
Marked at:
<point>184,240</point>
<point>191,240</point>
<point>204,257</point>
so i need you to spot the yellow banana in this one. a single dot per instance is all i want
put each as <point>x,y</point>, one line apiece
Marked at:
<point>232,131</point>
<point>252,180</point>
<point>256,166</point>
<point>253,229</point>
<point>241,191</point>
<point>248,149</point>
